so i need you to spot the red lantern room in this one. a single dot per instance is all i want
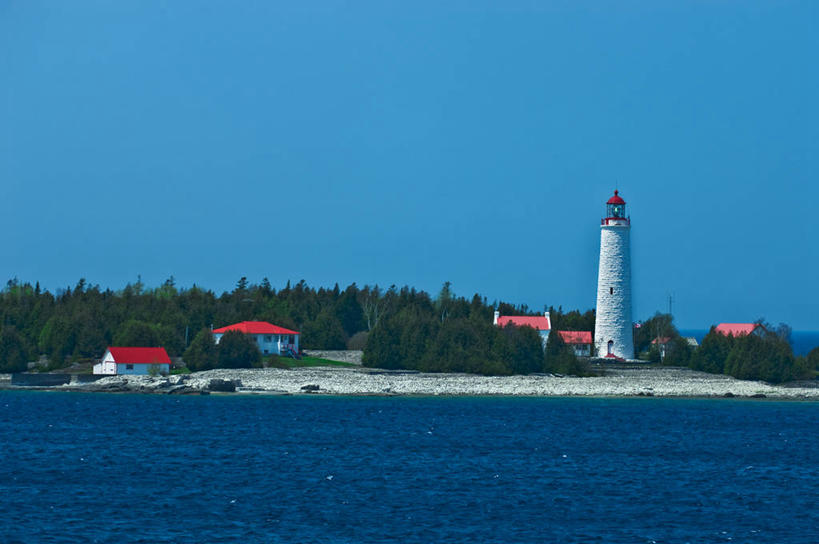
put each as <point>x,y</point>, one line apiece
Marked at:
<point>616,211</point>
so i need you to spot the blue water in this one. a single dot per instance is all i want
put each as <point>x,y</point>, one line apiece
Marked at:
<point>129,468</point>
<point>802,342</point>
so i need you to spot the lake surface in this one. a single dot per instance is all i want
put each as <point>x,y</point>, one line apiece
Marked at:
<point>130,468</point>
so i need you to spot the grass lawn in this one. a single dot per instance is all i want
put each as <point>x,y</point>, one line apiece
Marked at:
<point>312,361</point>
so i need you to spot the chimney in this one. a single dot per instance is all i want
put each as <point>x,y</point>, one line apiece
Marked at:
<point>548,318</point>
<point>497,315</point>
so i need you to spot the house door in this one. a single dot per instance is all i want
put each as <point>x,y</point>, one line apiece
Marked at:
<point>611,347</point>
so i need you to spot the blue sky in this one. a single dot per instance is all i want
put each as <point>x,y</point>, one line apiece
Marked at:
<point>416,143</point>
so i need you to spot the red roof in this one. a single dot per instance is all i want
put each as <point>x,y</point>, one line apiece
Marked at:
<point>140,356</point>
<point>537,322</point>
<point>616,199</point>
<point>576,337</point>
<point>255,327</point>
<point>661,340</point>
<point>737,329</point>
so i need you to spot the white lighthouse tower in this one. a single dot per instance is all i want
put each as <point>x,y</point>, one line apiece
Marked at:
<point>613,335</point>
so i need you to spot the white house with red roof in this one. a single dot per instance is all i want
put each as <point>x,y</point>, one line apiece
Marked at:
<point>541,323</point>
<point>124,360</point>
<point>581,341</point>
<point>740,329</point>
<point>271,339</point>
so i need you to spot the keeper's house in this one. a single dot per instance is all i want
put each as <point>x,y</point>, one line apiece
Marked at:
<point>541,323</point>
<point>580,341</point>
<point>118,361</point>
<point>271,339</point>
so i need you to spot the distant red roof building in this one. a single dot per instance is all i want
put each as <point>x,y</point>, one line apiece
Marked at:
<point>127,360</point>
<point>739,329</point>
<point>580,341</point>
<point>541,323</point>
<point>576,337</point>
<point>270,338</point>
<point>661,340</point>
<point>140,356</point>
<point>255,327</point>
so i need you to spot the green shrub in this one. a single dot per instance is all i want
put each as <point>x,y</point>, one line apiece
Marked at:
<point>13,357</point>
<point>202,354</point>
<point>237,350</point>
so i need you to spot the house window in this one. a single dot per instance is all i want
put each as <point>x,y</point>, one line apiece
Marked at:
<point>268,338</point>
<point>611,290</point>
<point>129,367</point>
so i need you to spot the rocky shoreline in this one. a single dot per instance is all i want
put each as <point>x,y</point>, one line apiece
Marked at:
<point>616,382</point>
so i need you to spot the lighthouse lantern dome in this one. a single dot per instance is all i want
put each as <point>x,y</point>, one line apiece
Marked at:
<point>616,207</point>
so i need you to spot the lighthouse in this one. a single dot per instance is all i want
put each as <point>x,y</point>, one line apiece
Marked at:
<point>613,336</point>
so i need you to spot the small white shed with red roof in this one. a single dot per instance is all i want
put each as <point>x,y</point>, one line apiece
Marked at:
<point>119,360</point>
<point>270,338</point>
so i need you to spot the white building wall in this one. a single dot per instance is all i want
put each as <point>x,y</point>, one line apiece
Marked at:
<point>582,350</point>
<point>269,344</point>
<point>122,368</point>
<point>544,337</point>
<point>105,368</point>
<point>613,317</point>
<point>106,364</point>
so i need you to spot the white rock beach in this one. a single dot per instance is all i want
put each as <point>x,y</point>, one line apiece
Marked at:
<point>648,381</point>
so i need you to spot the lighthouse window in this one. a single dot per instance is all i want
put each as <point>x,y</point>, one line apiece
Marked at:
<point>611,290</point>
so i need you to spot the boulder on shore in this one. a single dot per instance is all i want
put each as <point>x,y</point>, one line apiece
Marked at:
<point>224,386</point>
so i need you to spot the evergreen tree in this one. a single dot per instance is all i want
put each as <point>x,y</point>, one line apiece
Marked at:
<point>136,333</point>
<point>349,312</point>
<point>813,359</point>
<point>526,350</point>
<point>766,357</point>
<point>13,356</point>
<point>237,350</point>
<point>202,354</point>
<point>325,332</point>
<point>560,358</point>
<point>712,353</point>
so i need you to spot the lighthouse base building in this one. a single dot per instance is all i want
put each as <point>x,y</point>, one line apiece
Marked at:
<point>613,333</point>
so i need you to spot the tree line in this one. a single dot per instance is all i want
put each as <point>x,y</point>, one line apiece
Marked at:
<point>78,323</point>
<point>456,334</point>
<point>399,328</point>
<point>766,356</point>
